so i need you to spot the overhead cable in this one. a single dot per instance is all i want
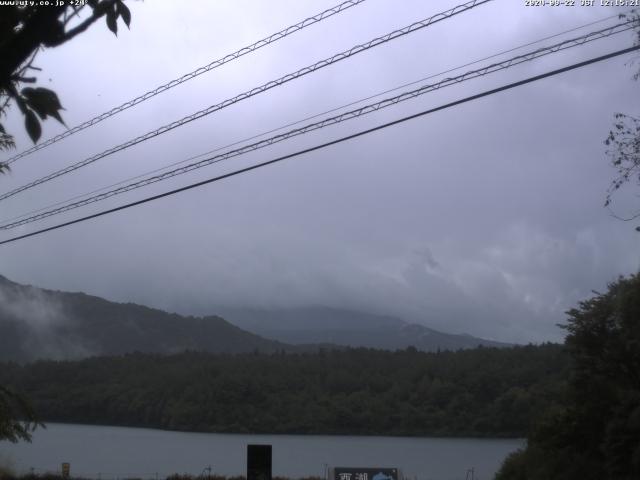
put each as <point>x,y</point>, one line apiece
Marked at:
<point>184,78</point>
<point>255,91</point>
<point>302,120</point>
<point>364,110</point>
<point>327,144</point>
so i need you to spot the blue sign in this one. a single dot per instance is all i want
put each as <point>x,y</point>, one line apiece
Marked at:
<point>350,473</point>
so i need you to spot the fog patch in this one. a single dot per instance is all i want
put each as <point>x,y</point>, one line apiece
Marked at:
<point>40,324</point>
<point>31,305</point>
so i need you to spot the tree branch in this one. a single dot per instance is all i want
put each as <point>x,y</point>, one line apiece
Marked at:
<point>25,79</point>
<point>99,11</point>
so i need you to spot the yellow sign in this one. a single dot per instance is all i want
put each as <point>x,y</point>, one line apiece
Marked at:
<point>66,469</point>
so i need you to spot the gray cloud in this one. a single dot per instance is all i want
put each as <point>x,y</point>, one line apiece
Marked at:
<point>485,219</point>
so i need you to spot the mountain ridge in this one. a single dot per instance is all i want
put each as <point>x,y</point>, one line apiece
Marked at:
<point>38,323</point>
<point>343,327</point>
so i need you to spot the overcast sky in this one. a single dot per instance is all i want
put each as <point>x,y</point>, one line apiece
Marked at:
<point>486,218</point>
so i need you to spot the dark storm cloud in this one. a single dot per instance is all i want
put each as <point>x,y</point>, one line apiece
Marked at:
<point>485,219</point>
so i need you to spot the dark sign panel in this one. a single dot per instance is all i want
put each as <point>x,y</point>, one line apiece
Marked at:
<point>350,473</point>
<point>258,462</point>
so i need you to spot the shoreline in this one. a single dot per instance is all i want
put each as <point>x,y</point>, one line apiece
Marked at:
<point>123,452</point>
<point>282,434</point>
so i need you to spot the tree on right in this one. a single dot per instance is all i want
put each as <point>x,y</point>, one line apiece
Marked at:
<point>623,145</point>
<point>594,432</point>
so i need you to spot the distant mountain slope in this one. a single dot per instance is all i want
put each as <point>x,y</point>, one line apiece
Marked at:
<point>37,323</point>
<point>323,325</point>
<point>45,324</point>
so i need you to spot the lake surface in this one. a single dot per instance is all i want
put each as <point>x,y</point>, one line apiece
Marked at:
<point>117,452</point>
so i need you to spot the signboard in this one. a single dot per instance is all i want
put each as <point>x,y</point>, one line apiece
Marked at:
<point>259,462</point>
<point>66,470</point>
<point>351,473</point>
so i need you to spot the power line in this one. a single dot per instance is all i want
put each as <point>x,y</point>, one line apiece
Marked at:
<point>330,143</point>
<point>333,120</point>
<point>282,127</point>
<point>364,110</point>
<point>267,86</point>
<point>199,71</point>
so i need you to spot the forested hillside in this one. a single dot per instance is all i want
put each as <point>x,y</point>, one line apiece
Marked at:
<point>43,324</point>
<point>39,324</point>
<point>481,392</point>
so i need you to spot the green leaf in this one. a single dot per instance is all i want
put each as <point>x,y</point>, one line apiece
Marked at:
<point>6,142</point>
<point>44,102</point>
<point>111,21</point>
<point>124,12</point>
<point>22,105</point>
<point>32,124</point>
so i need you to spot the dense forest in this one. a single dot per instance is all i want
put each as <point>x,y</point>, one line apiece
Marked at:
<point>481,392</point>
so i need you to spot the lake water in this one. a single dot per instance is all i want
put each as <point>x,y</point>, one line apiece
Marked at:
<point>116,452</point>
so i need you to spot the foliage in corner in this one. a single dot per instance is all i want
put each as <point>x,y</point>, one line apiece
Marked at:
<point>624,150</point>
<point>17,418</point>
<point>596,434</point>
<point>623,141</point>
<point>24,31</point>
